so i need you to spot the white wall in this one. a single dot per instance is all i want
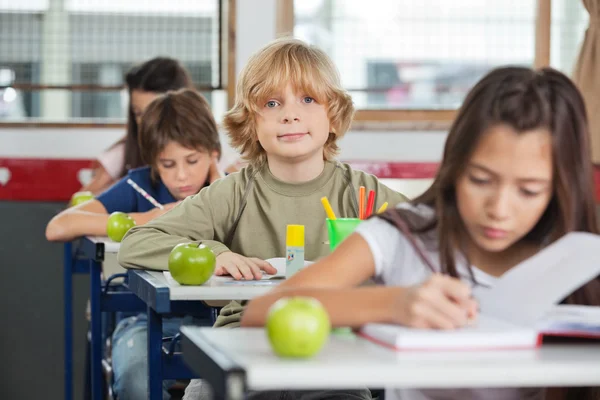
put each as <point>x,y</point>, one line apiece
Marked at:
<point>88,143</point>
<point>255,28</point>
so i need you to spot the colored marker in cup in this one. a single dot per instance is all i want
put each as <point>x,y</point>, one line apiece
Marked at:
<point>328,209</point>
<point>370,204</point>
<point>361,202</point>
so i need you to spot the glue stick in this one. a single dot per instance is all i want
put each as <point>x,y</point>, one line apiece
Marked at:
<point>294,257</point>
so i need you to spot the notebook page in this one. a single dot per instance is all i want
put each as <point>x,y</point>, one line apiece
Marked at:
<point>530,290</point>
<point>569,318</point>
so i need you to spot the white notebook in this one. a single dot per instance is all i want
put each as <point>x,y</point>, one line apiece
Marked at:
<point>521,308</point>
<point>490,333</point>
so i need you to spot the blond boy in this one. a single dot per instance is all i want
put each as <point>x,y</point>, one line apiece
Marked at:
<point>290,111</point>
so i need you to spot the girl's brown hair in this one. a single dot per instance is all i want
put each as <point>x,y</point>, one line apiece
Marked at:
<point>158,75</point>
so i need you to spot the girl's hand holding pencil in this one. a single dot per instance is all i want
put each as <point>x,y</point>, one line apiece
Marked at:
<point>441,302</point>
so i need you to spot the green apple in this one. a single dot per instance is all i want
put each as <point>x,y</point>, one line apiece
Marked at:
<point>191,264</point>
<point>297,327</point>
<point>81,197</point>
<point>118,225</point>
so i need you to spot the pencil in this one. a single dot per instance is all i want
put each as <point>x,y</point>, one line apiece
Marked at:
<point>328,209</point>
<point>382,208</point>
<point>361,202</point>
<point>370,204</point>
<point>145,194</point>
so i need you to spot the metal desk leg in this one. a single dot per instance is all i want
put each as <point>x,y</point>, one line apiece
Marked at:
<point>214,314</point>
<point>96,330</point>
<point>155,367</point>
<point>68,319</point>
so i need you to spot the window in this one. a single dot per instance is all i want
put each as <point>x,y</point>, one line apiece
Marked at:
<point>405,59</point>
<point>426,54</point>
<point>569,22</point>
<point>62,61</point>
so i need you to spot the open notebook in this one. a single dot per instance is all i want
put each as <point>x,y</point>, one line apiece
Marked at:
<point>521,308</point>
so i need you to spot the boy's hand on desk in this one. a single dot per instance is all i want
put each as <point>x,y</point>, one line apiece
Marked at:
<point>441,302</point>
<point>240,267</point>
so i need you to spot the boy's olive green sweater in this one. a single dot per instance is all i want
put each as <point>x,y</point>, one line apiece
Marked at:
<point>271,205</point>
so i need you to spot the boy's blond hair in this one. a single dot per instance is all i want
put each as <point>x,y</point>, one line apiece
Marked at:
<point>309,70</point>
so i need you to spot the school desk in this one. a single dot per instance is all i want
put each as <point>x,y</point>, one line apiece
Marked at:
<point>86,256</point>
<point>236,360</point>
<point>165,297</point>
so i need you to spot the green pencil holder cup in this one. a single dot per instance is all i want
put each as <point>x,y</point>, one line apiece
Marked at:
<point>339,229</point>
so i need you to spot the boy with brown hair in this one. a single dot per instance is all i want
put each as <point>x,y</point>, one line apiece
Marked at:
<point>179,140</point>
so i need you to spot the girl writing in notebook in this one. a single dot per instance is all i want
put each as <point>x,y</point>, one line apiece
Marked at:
<point>179,141</point>
<point>515,176</point>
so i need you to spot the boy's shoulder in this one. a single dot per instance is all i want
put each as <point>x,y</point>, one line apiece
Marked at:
<point>356,175</point>
<point>233,182</point>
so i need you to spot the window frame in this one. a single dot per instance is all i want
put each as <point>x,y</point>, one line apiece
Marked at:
<point>418,118</point>
<point>227,59</point>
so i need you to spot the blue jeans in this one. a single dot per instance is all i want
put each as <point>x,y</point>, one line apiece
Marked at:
<point>130,356</point>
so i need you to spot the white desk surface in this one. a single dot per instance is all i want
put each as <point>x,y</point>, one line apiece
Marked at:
<point>109,245</point>
<point>220,287</point>
<point>217,288</point>
<point>351,362</point>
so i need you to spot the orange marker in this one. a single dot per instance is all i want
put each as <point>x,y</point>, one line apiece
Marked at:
<point>370,204</point>
<point>361,202</point>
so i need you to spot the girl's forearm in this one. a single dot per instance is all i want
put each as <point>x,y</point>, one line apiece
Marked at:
<point>346,307</point>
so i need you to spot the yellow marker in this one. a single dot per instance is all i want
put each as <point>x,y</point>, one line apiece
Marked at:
<point>382,208</point>
<point>328,209</point>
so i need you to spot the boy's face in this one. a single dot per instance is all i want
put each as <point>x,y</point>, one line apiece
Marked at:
<point>292,126</point>
<point>184,171</point>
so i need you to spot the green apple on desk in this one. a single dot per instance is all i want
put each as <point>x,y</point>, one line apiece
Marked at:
<point>192,264</point>
<point>81,197</point>
<point>118,224</point>
<point>297,327</point>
